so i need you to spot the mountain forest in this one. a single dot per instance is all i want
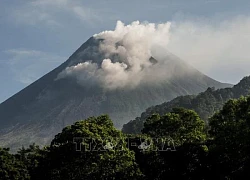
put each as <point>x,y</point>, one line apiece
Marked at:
<point>205,136</point>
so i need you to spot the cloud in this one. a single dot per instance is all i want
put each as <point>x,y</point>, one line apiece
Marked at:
<point>23,52</point>
<point>26,66</point>
<point>53,13</point>
<point>133,44</point>
<point>219,49</point>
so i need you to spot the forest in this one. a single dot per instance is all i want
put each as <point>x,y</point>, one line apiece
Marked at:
<point>174,145</point>
<point>205,104</point>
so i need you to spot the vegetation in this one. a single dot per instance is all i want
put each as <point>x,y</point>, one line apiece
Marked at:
<point>12,167</point>
<point>230,133</point>
<point>175,145</point>
<point>205,104</point>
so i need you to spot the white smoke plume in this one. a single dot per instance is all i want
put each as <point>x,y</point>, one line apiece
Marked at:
<point>218,49</point>
<point>134,44</point>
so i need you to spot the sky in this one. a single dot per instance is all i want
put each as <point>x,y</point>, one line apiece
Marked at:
<point>38,35</point>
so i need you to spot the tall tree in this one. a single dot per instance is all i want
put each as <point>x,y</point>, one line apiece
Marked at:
<point>91,149</point>
<point>183,134</point>
<point>230,130</point>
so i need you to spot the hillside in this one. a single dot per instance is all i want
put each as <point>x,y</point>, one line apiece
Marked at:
<point>205,104</point>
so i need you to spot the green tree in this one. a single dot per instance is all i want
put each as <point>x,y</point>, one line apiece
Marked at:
<point>11,168</point>
<point>230,132</point>
<point>33,157</point>
<point>181,125</point>
<point>66,161</point>
<point>186,132</point>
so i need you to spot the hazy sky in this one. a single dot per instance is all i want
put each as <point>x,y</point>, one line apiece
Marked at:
<point>38,35</point>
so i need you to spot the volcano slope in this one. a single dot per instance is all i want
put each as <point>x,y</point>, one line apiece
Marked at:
<point>72,92</point>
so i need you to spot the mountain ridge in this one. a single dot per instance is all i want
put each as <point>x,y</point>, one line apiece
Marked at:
<point>205,104</point>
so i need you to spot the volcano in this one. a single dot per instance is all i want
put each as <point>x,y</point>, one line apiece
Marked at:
<point>41,110</point>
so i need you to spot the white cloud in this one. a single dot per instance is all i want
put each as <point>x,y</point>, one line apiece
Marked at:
<point>26,66</point>
<point>219,49</point>
<point>22,52</point>
<point>134,44</point>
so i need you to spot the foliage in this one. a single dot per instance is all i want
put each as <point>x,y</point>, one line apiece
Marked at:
<point>184,134</point>
<point>205,104</point>
<point>12,168</point>
<point>174,145</point>
<point>230,130</point>
<point>92,161</point>
<point>181,125</point>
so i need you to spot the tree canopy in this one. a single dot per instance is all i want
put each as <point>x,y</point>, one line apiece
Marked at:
<point>91,149</point>
<point>205,104</point>
<point>174,145</point>
<point>230,132</point>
